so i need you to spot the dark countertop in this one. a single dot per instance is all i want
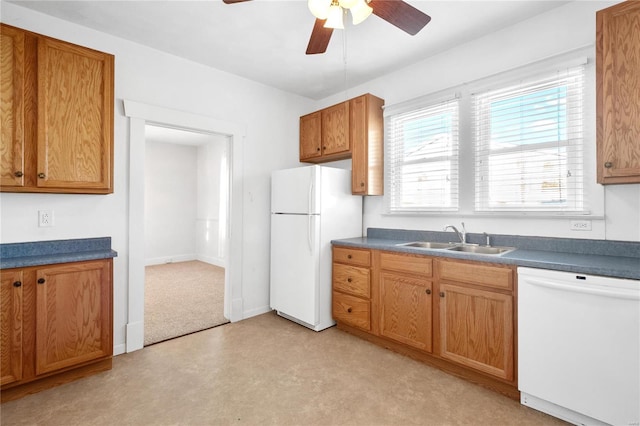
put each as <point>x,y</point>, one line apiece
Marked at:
<point>618,259</point>
<point>17,255</point>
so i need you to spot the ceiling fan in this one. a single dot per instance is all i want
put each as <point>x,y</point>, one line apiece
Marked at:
<point>396,12</point>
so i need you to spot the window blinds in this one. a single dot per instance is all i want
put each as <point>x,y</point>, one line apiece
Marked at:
<point>529,145</point>
<point>422,158</point>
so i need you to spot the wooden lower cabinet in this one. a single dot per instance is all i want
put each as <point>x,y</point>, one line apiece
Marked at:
<point>476,329</point>
<point>457,315</point>
<point>58,322</point>
<point>351,294</point>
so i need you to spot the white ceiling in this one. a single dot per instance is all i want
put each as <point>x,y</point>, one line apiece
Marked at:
<point>265,40</point>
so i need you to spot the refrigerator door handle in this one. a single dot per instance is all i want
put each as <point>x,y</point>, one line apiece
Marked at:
<point>310,198</point>
<point>309,219</point>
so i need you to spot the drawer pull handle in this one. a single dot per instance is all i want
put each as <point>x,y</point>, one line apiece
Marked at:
<point>349,310</point>
<point>608,164</point>
<point>41,175</point>
<point>348,256</point>
<point>428,291</point>
<point>17,284</point>
<point>18,174</point>
<point>348,280</point>
<point>442,294</point>
<point>40,280</point>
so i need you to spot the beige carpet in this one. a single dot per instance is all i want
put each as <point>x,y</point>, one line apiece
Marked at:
<point>182,298</point>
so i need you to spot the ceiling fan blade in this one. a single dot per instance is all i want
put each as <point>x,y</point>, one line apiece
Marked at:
<point>401,14</point>
<point>233,1</point>
<point>320,37</point>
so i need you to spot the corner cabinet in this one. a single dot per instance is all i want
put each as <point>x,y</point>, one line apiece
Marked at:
<point>56,324</point>
<point>57,115</point>
<point>618,93</point>
<point>351,129</point>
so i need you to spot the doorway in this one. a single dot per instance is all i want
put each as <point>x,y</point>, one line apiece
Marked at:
<point>186,199</point>
<point>140,115</point>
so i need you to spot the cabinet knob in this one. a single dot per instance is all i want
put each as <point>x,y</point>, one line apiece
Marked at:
<point>41,280</point>
<point>349,310</point>
<point>349,279</point>
<point>608,164</point>
<point>428,291</point>
<point>318,149</point>
<point>17,284</point>
<point>41,175</point>
<point>361,184</point>
<point>18,174</point>
<point>442,294</point>
<point>348,256</point>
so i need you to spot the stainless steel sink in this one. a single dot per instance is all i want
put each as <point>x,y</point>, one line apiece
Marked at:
<point>428,245</point>
<point>466,248</point>
<point>482,249</point>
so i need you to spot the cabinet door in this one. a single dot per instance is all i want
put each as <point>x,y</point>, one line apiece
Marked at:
<point>618,93</point>
<point>75,87</point>
<point>366,138</point>
<point>11,326</point>
<point>310,136</point>
<point>476,329</point>
<point>335,129</point>
<point>73,315</point>
<point>406,304</point>
<point>12,106</point>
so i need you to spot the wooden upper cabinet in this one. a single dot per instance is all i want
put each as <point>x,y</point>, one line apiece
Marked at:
<point>12,106</point>
<point>618,93</point>
<point>57,116</point>
<point>11,326</point>
<point>311,136</point>
<point>367,145</point>
<point>351,129</point>
<point>73,314</point>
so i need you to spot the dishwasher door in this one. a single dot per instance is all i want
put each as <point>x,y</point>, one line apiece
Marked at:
<point>579,346</point>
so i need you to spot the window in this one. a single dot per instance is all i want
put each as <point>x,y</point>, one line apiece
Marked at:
<point>422,158</point>
<point>528,144</point>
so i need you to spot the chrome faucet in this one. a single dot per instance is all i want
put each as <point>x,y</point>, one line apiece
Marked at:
<point>462,235</point>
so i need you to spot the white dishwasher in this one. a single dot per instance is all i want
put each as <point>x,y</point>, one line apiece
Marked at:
<point>579,346</point>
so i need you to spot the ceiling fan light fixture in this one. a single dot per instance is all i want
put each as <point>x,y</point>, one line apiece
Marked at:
<point>347,4</point>
<point>334,20</point>
<point>360,11</point>
<point>319,8</point>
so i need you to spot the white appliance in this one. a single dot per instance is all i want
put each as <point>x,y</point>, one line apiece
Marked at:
<point>578,346</point>
<point>310,206</point>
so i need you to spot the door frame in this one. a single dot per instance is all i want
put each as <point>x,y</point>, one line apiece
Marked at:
<point>140,115</point>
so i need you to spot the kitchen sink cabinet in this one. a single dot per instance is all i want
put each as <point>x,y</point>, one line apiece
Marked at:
<point>406,299</point>
<point>454,314</point>
<point>57,115</point>
<point>617,94</point>
<point>59,323</point>
<point>351,296</point>
<point>351,129</point>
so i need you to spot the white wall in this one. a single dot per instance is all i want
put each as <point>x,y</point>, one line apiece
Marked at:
<point>269,116</point>
<point>211,206</point>
<point>171,197</point>
<point>561,30</point>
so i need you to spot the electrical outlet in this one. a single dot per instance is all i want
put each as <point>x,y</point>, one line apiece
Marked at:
<point>580,225</point>
<point>45,218</point>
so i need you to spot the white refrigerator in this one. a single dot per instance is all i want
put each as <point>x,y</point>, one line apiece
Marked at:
<point>310,206</point>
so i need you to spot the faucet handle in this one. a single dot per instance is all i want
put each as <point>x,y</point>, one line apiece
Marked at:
<point>488,239</point>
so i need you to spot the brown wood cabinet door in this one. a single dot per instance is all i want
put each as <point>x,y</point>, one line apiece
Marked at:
<point>73,315</point>
<point>406,305</point>
<point>12,106</point>
<point>476,329</point>
<point>11,326</point>
<point>311,136</point>
<point>75,87</point>
<point>335,129</point>
<point>366,138</point>
<point>618,93</point>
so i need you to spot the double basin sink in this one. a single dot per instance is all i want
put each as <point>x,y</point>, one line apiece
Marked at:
<point>466,248</point>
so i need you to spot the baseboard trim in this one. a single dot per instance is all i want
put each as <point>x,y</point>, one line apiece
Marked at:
<point>119,349</point>
<point>255,312</point>
<point>135,336</point>
<point>215,261</point>
<point>170,259</point>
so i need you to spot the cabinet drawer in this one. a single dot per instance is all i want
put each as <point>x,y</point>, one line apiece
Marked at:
<point>352,256</point>
<point>473,273</point>
<point>351,279</point>
<point>351,310</point>
<point>420,265</point>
